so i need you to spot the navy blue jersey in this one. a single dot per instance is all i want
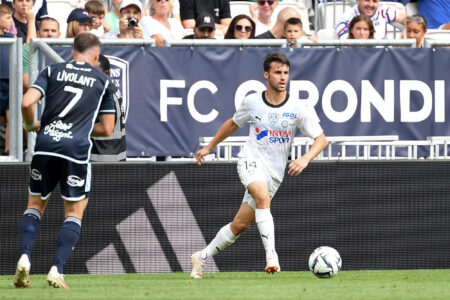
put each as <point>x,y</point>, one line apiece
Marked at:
<point>75,93</point>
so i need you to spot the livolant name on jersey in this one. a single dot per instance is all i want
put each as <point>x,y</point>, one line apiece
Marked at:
<point>75,78</point>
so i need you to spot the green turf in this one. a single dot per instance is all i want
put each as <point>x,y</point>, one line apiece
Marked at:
<point>404,284</point>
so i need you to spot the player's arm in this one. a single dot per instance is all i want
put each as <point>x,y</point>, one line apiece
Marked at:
<point>105,126</point>
<point>224,131</point>
<point>298,165</point>
<point>29,99</point>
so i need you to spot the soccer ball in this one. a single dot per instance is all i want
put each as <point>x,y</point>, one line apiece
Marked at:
<point>325,262</point>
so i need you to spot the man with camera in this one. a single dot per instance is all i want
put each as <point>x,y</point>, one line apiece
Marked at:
<point>129,25</point>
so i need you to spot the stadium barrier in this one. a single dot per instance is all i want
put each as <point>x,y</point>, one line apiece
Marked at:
<point>376,147</point>
<point>43,45</point>
<point>15,93</point>
<point>149,218</point>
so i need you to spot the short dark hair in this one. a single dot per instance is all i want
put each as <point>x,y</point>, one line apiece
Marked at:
<point>85,41</point>
<point>293,21</point>
<point>95,7</point>
<point>47,19</point>
<point>275,57</point>
<point>103,63</point>
<point>5,10</point>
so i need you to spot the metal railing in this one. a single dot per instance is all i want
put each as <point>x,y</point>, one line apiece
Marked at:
<point>357,43</point>
<point>15,98</point>
<point>378,147</point>
<point>228,43</point>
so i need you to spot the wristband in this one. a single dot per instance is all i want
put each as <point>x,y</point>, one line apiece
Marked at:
<point>28,127</point>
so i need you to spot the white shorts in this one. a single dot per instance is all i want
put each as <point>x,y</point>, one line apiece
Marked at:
<point>251,170</point>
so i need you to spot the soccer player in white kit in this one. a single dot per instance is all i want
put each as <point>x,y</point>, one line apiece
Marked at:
<point>274,119</point>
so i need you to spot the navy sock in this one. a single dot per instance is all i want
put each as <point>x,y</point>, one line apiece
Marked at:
<point>67,239</point>
<point>29,227</point>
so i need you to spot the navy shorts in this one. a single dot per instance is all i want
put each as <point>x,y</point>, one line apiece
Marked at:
<point>46,171</point>
<point>4,96</point>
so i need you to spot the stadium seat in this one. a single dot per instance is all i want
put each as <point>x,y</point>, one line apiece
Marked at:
<point>326,34</point>
<point>438,34</point>
<point>60,10</point>
<point>328,13</point>
<point>412,8</point>
<point>239,8</point>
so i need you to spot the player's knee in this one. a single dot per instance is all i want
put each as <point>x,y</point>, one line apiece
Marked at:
<point>239,226</point>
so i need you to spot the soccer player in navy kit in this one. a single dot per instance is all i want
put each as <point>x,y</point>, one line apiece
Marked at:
<point>75,94</point>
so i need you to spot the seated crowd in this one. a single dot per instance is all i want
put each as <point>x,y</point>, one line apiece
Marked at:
<point>167,20</point>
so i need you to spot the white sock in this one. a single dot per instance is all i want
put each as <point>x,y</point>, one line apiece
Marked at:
<point>264,220</point>
<point>223,239</point>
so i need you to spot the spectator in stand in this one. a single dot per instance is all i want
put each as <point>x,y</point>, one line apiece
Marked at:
<point>112,17</point>
<point>78,21</point>
<point>436,12</point>
<point>277,31</point>
<point>241,27</point>
<point>205,27</point>
<point>49,28</point>
<point>130,24</point>
<point>6,21</point>
<point>219,9</point>
<point>24,19</point>
<point>96,11</point>
<point>262,13</point>
<point>380,14</point>
<point>39,7</point>
<point>416,28</point>
<point>361,27</point>
<point>293,30</point>
<point>160,20</point>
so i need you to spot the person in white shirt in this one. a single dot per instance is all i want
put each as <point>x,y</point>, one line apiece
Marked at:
<point>161,20</point>
<point>262,13</point>
<point>274,119</point>
<point>381,14</point>
<point>130,24</point>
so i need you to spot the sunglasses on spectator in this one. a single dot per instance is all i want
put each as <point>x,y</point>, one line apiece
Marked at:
<point>162,0</point>
<point>246,28</point>
<point>262,2</point>
<point>415,19</point>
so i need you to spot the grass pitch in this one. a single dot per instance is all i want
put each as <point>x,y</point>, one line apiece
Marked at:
<point>399,284</point>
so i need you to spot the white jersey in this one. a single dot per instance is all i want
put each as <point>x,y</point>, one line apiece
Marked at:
<point>272,129</point>
<point>384,15</point>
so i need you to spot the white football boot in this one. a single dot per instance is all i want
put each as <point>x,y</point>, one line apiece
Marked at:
<point>22,277</point>
<point>55,279</point>
<point>198,264</point>
<point>272,266</point>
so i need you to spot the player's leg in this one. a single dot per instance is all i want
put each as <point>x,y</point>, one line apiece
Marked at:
<point>264,221</point>
<point>29,228</point>
<point>40,186</point>
<point>224,238</point>
<point>75,187</point>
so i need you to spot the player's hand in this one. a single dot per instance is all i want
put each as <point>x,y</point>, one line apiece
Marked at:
<point>297,166</point>
<point>200,154</point>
